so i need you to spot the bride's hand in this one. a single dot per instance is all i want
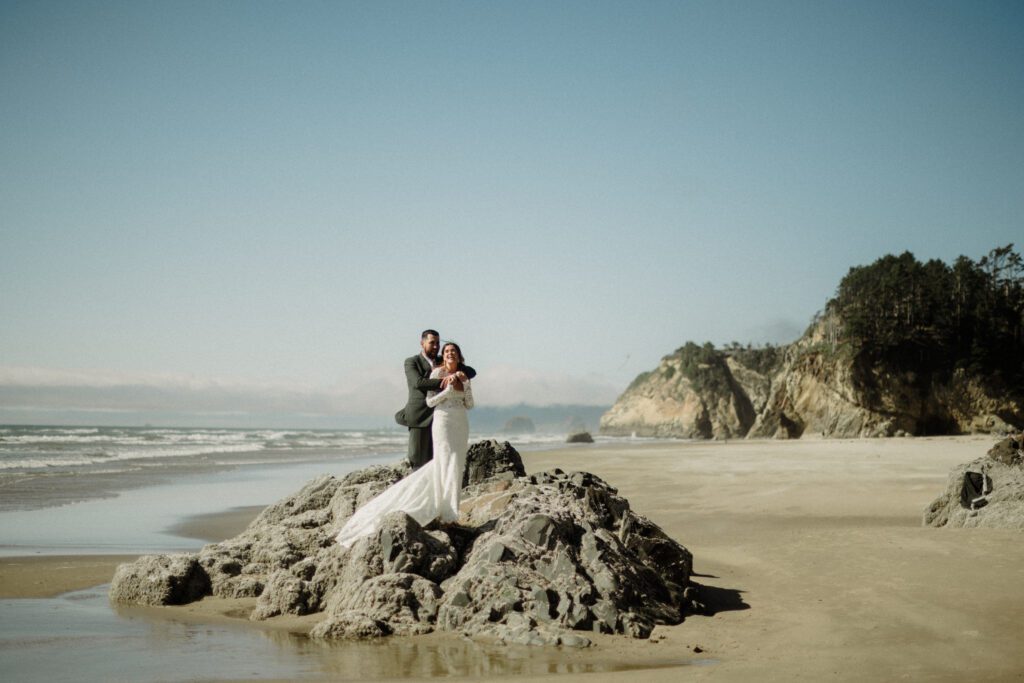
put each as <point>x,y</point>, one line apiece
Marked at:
<point>456,382</point>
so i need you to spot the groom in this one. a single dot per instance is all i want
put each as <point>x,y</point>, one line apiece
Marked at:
<point>416,415</point>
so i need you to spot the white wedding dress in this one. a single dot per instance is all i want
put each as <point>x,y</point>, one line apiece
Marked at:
<point>432,491</point>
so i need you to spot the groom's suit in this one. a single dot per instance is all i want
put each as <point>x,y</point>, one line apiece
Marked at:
<point>416,415</point>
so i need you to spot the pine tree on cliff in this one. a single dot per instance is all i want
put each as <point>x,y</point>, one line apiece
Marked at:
<point>970,315</point>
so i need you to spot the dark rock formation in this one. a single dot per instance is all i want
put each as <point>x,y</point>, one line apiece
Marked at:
<point>487,459</point>
<point>565,553</point>
<point>402,604</point>
<point>1009,451</point>
<point>987,492</point>
<point>534,560</point>
<point>579,437</point>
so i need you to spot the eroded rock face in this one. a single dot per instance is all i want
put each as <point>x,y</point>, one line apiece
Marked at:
<point>995,497</point>
<point>490,459</point>
<point>807,389</point>
<point>288,540</point>
<point>160,580</point>
<point>1009,451</point>
<point>350,626</point>
<point>533,560</point>
<point>566,553</point>
<point>406,604</point>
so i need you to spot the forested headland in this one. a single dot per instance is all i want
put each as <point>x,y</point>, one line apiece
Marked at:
<point>904,347</point>
<point>936,316</point>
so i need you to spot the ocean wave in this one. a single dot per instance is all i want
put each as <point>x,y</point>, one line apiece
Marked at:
<point>46,448</point>
<point>52,460</point>
<point>42,448</point>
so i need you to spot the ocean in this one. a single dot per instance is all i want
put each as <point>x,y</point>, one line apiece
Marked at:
<point>68,489</point>
<point>34,449</point>
<point>126,490</point>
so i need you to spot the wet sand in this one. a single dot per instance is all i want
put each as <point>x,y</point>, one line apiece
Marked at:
<point>45,576</point>
<point>217,526</point>
<point>812,553</point>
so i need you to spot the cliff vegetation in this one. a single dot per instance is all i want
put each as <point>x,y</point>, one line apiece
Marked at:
<point>904,347</point>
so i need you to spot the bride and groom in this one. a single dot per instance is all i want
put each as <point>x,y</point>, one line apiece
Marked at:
<point>435,413</point>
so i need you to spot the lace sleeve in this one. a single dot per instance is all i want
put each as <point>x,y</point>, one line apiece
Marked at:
<point>435,397</point>
<point>468,399</point>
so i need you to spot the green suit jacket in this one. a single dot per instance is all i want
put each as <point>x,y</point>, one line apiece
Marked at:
<point>416,414</point>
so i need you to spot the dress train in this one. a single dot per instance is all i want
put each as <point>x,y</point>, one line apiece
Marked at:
<point>433,491</point>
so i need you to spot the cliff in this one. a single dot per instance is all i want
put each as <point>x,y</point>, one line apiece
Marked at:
<point>904,347</point>
<point>814,386</point>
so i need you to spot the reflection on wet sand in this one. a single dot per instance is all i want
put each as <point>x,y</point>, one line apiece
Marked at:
<point>179,635</point>
<point>446,655</point>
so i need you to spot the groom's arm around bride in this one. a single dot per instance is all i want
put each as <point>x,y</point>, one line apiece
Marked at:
<point>417,415</point>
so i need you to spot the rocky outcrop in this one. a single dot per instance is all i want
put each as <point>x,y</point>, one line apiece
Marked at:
<point>491,459</point>
<point>987,492</point>
<point>579,437</point>
<point>810,387</point>
<point>539,559</point>
<point>160,580</point>
<point>564,553</point>
<point>696,393</point>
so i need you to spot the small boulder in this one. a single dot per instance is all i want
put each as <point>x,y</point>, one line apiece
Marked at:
<point>487,459</point>
<point>1008,451</point>
<point>350,626</point>
<point>579,437</point>
<point>285,593</point>
<point>316,495</point>
<point>160,580</point>
<point>399,545</point>
<point>987,492</point>
<point>407,603</point>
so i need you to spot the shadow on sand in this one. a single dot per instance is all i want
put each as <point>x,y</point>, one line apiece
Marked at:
<point>716,599</point>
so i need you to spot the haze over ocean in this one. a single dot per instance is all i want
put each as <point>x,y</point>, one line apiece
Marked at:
<point>244,213</point>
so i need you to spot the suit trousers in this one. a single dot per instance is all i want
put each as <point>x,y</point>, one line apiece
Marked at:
<point>421,446</point>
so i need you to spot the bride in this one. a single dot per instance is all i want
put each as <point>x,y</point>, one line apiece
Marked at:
<point>432,491</point>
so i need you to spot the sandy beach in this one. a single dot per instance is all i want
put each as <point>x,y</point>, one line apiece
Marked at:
<point>45,576</point>
<point>812,552</point>
<point>816,552</point>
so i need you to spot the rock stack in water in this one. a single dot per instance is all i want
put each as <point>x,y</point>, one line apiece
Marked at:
<point>579,437</point>
<point>540,559</point>
<point>987,492</point>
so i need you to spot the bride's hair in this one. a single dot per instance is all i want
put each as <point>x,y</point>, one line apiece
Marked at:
<point>457,350</point>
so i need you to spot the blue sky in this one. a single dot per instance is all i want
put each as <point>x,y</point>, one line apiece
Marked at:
<point>261,200</point>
